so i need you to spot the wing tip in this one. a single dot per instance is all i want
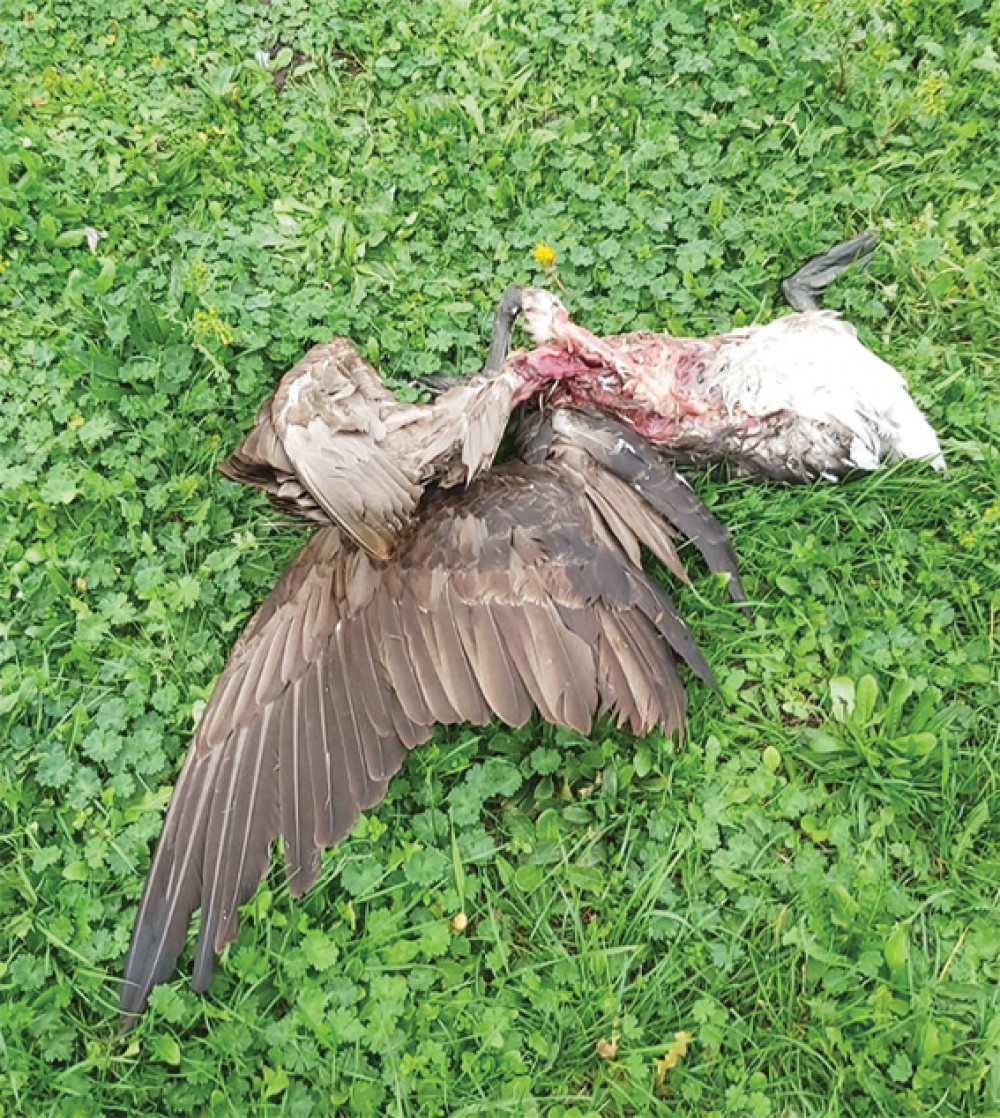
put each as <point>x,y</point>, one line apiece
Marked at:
<point>133,999</point>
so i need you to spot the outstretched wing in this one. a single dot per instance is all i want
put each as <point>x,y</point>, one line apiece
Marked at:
<point>508,596</point>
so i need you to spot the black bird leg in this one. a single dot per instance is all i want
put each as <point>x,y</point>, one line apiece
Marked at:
<point>507,310</point>
<point>805,289</point>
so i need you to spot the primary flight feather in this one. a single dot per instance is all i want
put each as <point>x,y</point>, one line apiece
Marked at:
<point>436,590</point>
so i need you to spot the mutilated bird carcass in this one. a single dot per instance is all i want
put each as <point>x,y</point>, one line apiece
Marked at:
<point>436,590</point>
<point>441,588</point>
<point>796,399</point>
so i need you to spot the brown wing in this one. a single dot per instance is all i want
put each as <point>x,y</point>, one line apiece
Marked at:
<point>318,448</point>
<point>638,492</point>
<point>329,414</point>
<point>334,443</point>
<point>509,595</point>
<point>464,426</point>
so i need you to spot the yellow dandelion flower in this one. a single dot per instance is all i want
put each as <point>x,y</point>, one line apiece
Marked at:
<point>544,254</point>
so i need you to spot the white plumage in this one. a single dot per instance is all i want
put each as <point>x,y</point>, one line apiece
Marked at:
<point>813,365</point>
<point>795,399</point>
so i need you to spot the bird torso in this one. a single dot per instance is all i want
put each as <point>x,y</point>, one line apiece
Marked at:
<point>797,398</point>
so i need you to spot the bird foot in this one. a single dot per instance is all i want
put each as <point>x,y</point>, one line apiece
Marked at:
<point>804,289</point>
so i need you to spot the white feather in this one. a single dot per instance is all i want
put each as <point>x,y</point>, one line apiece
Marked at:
<point>812,364</point>
<point>538,309</point>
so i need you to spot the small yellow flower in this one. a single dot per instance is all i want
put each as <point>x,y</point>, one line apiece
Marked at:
<point>544,254</point>
<point>209,327</point>
<point>931,92</point>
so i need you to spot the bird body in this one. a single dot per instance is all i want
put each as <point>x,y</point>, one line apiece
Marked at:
<point>813,365</point>
<point>795,399</point>
<point>441,588</point>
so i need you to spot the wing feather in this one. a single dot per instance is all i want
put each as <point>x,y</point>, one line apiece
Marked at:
<point>618,646</point>
<point>297,805</point>
<point>411,698</point>
<point>328,803</point>
<point>355,482</point>
<point>353,727</point>
<point>663,682</point>
<point>422,657</point>
<point>618,696</point>
<point>504,597</point>
<point>334,443</point>
<point>247,853</point>
<point>497,676</point>
<point>624,455</point>
<point>456,675</point>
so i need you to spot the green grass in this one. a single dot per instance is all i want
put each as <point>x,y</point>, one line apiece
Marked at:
<point>808,883</point>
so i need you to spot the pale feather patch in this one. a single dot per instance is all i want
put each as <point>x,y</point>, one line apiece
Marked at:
<point>813,364</point>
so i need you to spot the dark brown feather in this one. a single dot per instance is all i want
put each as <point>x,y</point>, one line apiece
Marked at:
<point>503,596</point>
<point>624,455</point>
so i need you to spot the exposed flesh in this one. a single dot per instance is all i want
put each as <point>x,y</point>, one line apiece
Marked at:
<point>797,398</point>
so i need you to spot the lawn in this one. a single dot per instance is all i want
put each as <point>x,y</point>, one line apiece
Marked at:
<point>793,911</point>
